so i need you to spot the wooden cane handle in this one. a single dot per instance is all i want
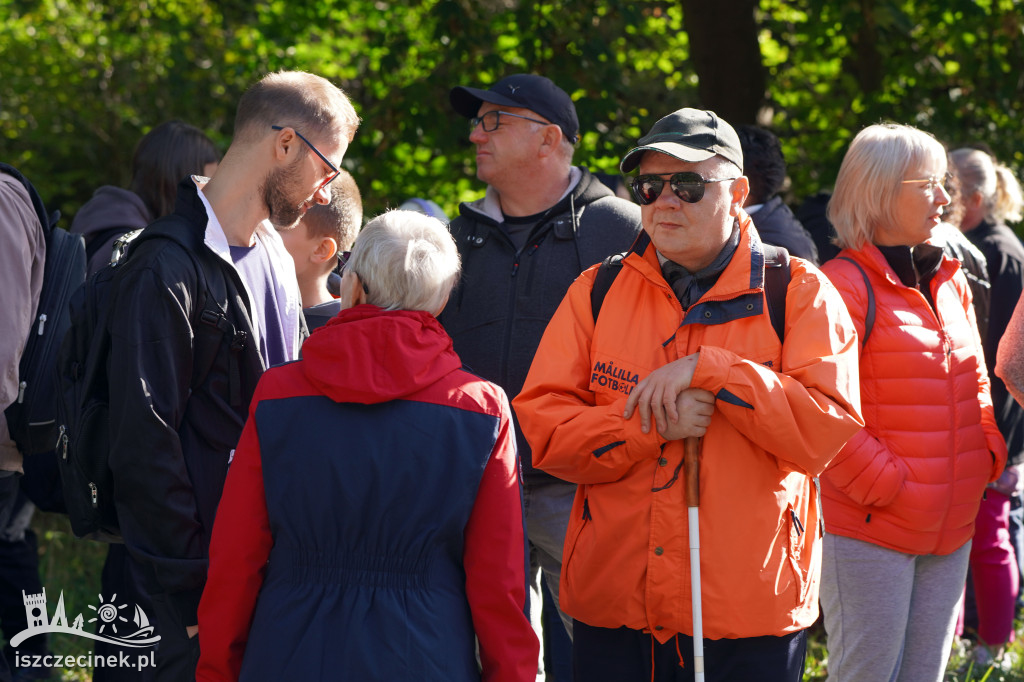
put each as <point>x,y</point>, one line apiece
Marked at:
<point>692,453</point>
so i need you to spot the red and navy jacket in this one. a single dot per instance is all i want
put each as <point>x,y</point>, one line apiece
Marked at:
<point>372,519</point>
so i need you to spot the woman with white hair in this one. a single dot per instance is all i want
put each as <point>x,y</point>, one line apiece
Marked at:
<point>900,499</point>
<point>371,526</point>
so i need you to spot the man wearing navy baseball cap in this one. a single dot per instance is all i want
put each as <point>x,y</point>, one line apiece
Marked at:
<point>686,346</point>
<point>541,222</point>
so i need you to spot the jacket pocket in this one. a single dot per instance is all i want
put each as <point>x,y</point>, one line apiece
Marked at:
<point>577,524</point>
<point>799,553</point>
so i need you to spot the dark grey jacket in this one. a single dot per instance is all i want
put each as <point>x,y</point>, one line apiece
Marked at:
<point>1005,257</point>
<point>778,226</point>
<point>498,312</point>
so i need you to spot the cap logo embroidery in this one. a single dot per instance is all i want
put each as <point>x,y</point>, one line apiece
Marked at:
<point>513,88</point>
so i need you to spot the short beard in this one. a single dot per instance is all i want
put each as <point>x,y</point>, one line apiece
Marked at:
<point>284,213</point>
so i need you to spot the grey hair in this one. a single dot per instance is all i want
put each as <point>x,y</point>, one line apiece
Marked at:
<point>1000,191</point>
<point>870,179</point>
<point>406,261</point>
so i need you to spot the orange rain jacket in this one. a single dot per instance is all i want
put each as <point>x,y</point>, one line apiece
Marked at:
<point>913,478</point>
<point>626,557</point>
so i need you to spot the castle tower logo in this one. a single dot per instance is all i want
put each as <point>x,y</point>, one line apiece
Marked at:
<point>112,623</point>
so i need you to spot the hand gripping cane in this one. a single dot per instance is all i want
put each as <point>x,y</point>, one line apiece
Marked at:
<point>692,455</point>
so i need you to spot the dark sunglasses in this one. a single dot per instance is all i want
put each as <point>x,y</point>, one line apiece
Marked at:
<point>688,186</point>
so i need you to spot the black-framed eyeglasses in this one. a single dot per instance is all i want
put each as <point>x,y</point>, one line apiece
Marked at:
<point>932,182</point>
<point>334,169</point>
<point>492,119</point>
<point>688,186</point>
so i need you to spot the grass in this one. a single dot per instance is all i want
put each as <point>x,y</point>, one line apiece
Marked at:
<point>960,668</point>
<point>74,566</point>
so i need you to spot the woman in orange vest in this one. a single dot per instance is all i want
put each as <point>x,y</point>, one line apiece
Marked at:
<point>901,497</point>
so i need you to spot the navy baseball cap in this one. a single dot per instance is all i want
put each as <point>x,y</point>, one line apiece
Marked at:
<point>526,91</point>
<point>690,135</point>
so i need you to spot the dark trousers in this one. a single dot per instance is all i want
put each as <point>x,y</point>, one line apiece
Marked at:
<point>625,655</point>
<point>119,578</point>
<point>176,654</point>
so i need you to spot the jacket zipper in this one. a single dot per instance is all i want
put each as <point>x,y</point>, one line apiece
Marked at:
<point>506,345</point>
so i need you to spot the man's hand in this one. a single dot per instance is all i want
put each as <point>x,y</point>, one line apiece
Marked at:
<point>695,407</point>
<point>658,392</point>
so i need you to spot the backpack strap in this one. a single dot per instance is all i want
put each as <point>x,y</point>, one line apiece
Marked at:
<point>213,323</point>
<point>869,317</point>
<point>606,273</point>
<point>98,239</point>
<point>776,284</point>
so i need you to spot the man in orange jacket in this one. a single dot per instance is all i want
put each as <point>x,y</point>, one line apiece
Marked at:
<point>700,358</point>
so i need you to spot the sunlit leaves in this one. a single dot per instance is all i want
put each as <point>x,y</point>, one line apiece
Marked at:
<point>82,80</point>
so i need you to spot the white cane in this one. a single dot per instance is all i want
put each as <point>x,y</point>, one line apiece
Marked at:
<point>692,454</point>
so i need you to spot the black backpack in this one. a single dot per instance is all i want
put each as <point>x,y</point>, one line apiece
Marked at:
<point>83,450</point>
<point>32,418</point>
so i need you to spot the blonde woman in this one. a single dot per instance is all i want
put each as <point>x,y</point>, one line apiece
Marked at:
<point>900,498</point>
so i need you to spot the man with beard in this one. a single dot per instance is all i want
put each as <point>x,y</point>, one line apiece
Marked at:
<point>180,378</point>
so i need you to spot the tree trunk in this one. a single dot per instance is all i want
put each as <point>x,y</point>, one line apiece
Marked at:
<point>726,57</point>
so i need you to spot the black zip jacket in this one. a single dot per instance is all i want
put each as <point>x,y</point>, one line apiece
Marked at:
<point>1005,257</point>
<point>777,225</point>
<point>505,298</point>
<point>170,447</point>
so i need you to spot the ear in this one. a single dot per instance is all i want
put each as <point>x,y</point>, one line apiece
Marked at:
<point>285,142</point>
<point>550,140</point>
<point>325,250</point>
<point>740,190</point>
<point>351,293</point>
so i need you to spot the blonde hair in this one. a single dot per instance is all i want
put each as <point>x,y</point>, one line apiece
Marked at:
<point>1000,191</point>
<point>406,261</point>
<point>871,176</point>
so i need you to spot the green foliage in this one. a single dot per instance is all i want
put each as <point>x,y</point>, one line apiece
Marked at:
<point>84,80</point>
<point>955,69</point>
<point>74,567</point>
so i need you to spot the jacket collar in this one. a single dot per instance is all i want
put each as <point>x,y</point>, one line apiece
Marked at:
<point>369,355</point>
<point>872,258</point>
<point>192,203</point>
<point>742,275</point>
<point>583,189</point>
<point>913,265</point>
